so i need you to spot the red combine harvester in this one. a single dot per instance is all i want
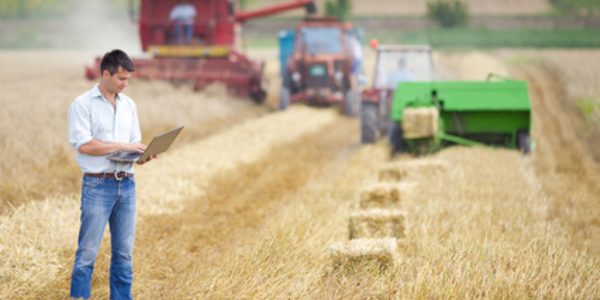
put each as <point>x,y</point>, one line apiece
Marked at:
<point>211,56</point>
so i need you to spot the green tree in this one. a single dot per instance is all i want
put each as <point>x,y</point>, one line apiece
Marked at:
<point>244,4</point>
<point>586,9</point>
<point>33,8</point>
<point>448,13</point>
<point>340,9</point>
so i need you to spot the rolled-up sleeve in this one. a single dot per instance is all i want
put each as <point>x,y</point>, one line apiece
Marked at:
<point>79,124</point>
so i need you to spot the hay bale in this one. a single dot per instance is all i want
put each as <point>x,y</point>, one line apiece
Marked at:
<point>392,173</point>
<point>400,170</point>
<point>377,223</point>
<point>420,122</point>
<point>384,194</point>
<point>360,254</point>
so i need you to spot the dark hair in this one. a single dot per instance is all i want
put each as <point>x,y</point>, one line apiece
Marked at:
<point>111,61</point>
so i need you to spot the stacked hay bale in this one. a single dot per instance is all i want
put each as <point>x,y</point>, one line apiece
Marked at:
<point>377,223</point>
<point>358,254</point>
<point>399,171</point>
<point>385,194</point>
<point>420,122</point>
<point>374,230</point>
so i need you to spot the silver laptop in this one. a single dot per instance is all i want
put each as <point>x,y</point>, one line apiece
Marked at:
<point>159,144</point>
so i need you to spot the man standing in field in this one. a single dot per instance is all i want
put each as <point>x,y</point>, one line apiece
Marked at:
<point>101,121</point>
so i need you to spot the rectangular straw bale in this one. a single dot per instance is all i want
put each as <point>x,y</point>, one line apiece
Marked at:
<point>384,194</point>
<point>420,122</point>
<point>358,254</point>
<point>377,223</point>
<point>392,172</point>
<point>400,170</point>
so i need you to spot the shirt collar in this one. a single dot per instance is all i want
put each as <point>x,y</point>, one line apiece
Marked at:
<point>96,93</point>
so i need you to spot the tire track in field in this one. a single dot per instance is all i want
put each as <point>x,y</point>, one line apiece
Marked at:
<point>171,247</point>
<point>235,203</point>
<point>568,173</point>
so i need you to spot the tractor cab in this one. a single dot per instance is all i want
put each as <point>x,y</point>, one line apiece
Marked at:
<point>403,63</point>
<point>321,40</point>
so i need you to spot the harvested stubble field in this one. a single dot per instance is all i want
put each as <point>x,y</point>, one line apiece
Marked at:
<point>38,87</point>
<point>251,210</point>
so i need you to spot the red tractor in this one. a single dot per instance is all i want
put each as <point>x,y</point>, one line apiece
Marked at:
<point>319,64</point>
<point>394,64</point>
<point>211,55</point>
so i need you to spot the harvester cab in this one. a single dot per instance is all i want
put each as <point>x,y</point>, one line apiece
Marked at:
<point>430,115</point>
<point>394,64</point>
<point>211,54</point>
<point>319,64</point>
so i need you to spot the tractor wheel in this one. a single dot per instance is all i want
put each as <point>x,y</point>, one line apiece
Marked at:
<point>351,103</point>
<point>385,123</point>
<point>397,138</point>
<point>368,122</point>
<point>284,98</point>
<point>524,141</point>
<point>259,97</point>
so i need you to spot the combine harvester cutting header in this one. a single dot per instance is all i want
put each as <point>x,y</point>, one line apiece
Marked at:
<point>211,56</point>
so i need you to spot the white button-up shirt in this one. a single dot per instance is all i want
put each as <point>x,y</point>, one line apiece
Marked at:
<point>91,116</point>
<point>184,13</point>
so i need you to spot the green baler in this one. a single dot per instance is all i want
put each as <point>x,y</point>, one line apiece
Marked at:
<point>493,112</point>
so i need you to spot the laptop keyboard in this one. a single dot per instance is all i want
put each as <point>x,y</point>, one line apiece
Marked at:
<point>131,155</point>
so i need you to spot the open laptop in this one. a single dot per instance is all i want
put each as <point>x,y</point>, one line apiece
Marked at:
<point>159,144</point>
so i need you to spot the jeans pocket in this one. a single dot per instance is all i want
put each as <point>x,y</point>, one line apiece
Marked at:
<point>91,182</point>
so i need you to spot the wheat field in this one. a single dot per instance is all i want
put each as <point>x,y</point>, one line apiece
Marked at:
<point>38,88</point>
<point>252,208</point>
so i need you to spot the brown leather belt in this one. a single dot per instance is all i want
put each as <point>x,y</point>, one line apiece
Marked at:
<point>115,175</point>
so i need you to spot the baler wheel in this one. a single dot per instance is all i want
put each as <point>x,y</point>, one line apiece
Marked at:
<point>524,141</point>
<point>397,138</point>
<point>368,122</point>
<point>284,98</point>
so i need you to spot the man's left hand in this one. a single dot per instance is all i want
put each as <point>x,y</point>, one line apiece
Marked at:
<point>140,162</point>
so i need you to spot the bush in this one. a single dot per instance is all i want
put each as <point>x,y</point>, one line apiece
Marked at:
<point>338,8</point>
<point>447,13</point>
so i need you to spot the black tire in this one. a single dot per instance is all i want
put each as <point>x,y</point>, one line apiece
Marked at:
<point>368,122</point>
<point>397,138</point>
<point>385,123</point>
<point>257,93</point>
<point>284,98</point>
<point>259,97</point>
<point>351,103</point>
<point>524,141</point>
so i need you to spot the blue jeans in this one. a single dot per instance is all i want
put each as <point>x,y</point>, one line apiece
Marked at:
<point>105,200</point>
<point>184,33</point>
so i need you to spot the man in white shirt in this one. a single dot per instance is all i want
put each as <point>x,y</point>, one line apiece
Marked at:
<point>401,74</point>
<point>101,121</point>
<point>182,15</point>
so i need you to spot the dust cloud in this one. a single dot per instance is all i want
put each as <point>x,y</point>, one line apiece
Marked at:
<point>98,26</point>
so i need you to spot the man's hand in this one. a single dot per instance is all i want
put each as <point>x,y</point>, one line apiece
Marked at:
<point>97,147</point>
<point>134,147</point>
<point>139,162</point>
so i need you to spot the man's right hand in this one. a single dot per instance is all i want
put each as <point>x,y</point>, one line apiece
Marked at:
<point>133,147</point>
